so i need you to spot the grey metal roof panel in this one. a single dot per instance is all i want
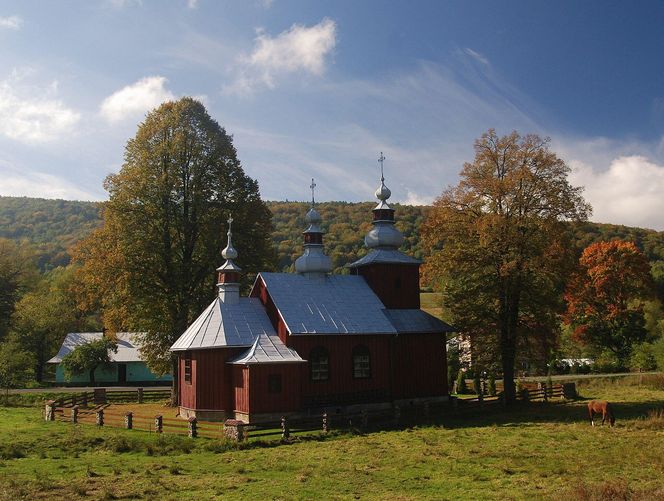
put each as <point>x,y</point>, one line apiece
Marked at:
<point>335,304</point>
<point>222,324</point>
<point>416,321</point>
<point>127,346</point>
<point>268,349</point>
<point>385,256</point>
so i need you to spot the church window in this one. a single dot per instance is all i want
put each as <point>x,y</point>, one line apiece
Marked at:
<point>361,362</point>
<point>319,364</point>
<point>187,368</point>
<point>274,383</point>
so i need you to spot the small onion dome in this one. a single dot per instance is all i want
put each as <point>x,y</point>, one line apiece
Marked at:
<point>314,219</point>
<point>383,192</point>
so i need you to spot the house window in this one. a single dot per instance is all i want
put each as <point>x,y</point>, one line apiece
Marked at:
<point>187,368</point>
<point>361,362</point>
<point>274,383</point>
<point>319,364</point>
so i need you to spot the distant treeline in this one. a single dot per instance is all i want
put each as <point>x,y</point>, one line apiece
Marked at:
<point>50,227</point>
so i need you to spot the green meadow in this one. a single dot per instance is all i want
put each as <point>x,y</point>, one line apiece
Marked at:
<point>534,451</point>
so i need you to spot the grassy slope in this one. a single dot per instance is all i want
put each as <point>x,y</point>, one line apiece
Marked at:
<point>541,451</point>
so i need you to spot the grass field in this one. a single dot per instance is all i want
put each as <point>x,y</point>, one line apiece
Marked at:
<point>537,451</point>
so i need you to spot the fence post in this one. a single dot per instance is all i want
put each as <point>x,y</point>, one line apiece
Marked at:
<point>525,393</point>
<point>569,391</point>
<point>73,399</point>
<point>365,418</point>
<point>84,399</point>
<point>480,399</point>
<point>543,389</point>
<point>285,430</point>
<point>139,392</point>
<point>129,420</point>
<point>397,415</point>
<point>234,430</point>
<point>326,423</point>
<point>74,414</point>
<point>50,410</point>
<point>192,428</point>
<point>100,417</point>
<point>158,423</point>
<point>100,396</point>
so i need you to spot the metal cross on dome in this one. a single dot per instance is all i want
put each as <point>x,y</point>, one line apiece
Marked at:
<point>312,186</point>
<point>230,220</point>
<point>381,159</point>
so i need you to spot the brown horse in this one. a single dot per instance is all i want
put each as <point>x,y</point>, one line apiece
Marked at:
<point>601,407</point>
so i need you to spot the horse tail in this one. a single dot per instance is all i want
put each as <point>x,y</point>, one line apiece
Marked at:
<point>609,413</point>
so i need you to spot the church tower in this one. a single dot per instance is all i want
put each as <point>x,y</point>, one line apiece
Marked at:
<point>228,273</point>
<point>391,274</point>
<point>313,263</point>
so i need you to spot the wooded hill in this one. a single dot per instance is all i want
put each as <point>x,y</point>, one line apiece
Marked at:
<point>50,227</point>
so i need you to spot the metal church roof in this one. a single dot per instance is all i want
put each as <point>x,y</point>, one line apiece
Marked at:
<point>386,256</point>
<point>127,346</point>
<point>223,324</point>
<point>416,321</point>
<point>268,349</point>
<point>334,304</point>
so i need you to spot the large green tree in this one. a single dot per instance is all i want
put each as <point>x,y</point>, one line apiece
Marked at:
<point>17,272</point>
<point>498,245</point>
<point>87,357</point>
<point>606,297</point>
<point>15,366</point>
<point>151,266</point>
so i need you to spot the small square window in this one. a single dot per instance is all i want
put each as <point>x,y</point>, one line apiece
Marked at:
<point>274,383</point>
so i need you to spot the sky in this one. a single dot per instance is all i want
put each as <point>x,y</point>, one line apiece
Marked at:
<point>319,88</point>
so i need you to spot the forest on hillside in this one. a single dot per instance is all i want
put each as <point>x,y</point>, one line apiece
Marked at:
<point>48,228</point>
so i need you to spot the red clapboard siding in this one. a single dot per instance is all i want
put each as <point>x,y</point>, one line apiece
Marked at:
<point>186,391</point>
<point>397,285</point>
<point>211,378</point>
<point>420,365</point>
<point>289,399</point>
<point>241,388</point>
<point>260,291</point>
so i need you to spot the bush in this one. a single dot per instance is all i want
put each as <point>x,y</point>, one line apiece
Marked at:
<point>643,358</point>
<point>658,353</point>
<point>492,385</point>
<point>461,383</point>
<point>477,384</point>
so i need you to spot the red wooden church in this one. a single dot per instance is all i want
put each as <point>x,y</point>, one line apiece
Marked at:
<point>306,341</point>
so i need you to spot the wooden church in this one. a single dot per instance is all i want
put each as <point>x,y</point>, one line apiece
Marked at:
<point>310,341</point>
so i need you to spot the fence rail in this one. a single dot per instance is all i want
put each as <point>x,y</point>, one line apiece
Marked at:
<point>71,409</point>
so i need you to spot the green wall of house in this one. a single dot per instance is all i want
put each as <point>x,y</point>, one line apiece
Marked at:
<point>137,372</point>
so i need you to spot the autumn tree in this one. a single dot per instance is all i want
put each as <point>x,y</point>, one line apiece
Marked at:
<point>87,357</point>
<point>605,298</point>
<point>498,245</point>
<point>43,316</point>
<point>151,266</point>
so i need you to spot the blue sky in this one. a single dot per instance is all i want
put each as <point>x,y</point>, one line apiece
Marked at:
<point>318,89</point>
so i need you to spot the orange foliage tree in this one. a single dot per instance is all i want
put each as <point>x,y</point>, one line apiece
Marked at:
<point>605,297</point>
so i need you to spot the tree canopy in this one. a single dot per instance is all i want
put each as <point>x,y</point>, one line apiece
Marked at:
<point>605,298</point>
<point>497,242</point>
<point>152,263</point>
<point>87,357</point>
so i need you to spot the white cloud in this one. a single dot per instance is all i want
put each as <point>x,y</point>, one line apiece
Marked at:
<point>476,55</point>
<point>22,183</point>
<point>192,4</point>
<point>136,99</point>
<point>33,114</point>
<point>629,192</point>
<point>11,22</point>
<point>299,49</point>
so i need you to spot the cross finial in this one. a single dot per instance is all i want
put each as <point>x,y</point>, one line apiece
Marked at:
<point>312,186</point>
<point>381,159</point>
<point>230,221</point>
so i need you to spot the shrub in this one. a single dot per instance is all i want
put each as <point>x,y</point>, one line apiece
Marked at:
<point>643,358</point>
<point>477,383</point>
<point>461,383</point>
<point>492,385</point>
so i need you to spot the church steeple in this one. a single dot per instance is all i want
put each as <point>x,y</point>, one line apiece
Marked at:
<point>383,235</point>
<point>314,262</point>
<point>229,272</point>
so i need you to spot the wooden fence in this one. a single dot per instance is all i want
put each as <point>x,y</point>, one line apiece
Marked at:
<point>75,411</point>
<point>102,396</point>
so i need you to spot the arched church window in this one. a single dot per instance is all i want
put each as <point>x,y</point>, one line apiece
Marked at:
<point>319,364</point>
<point>361,362</point>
